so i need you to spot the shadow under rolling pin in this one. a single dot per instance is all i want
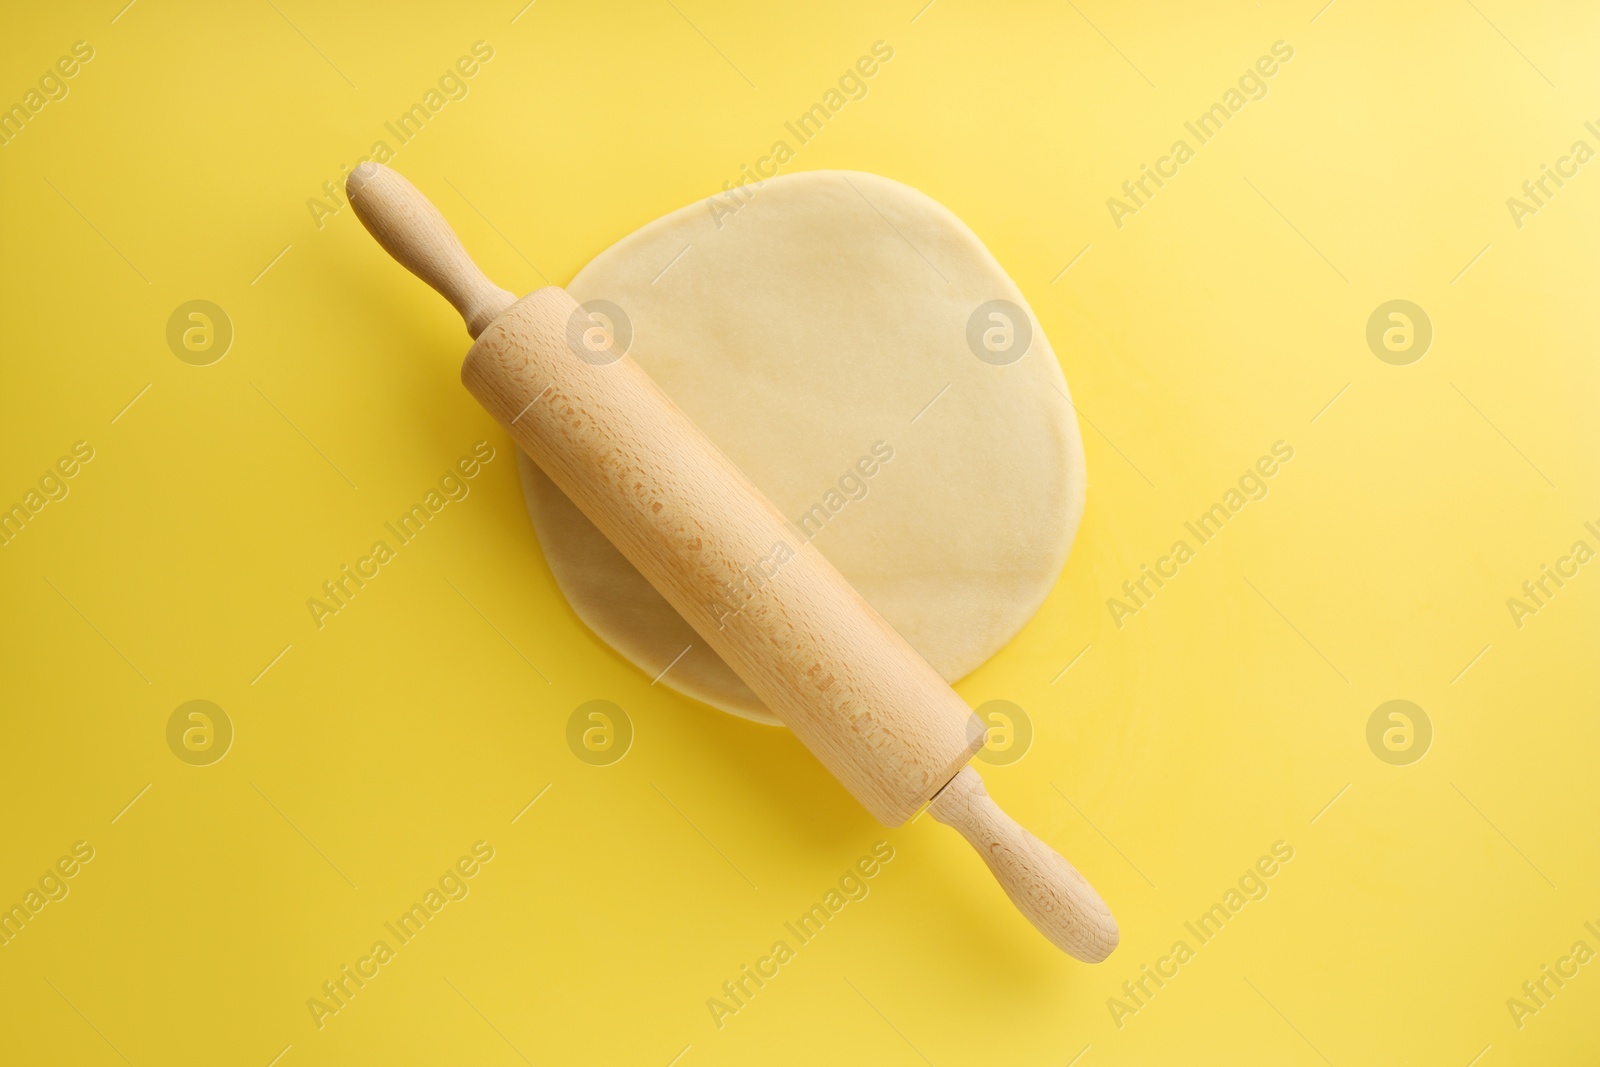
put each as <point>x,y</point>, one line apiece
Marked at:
<point>822,659</point>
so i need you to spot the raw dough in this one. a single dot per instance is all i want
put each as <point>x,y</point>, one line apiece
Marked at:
<point>822,327</point>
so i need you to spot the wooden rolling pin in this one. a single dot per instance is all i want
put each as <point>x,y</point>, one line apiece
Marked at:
<point>822,659</point>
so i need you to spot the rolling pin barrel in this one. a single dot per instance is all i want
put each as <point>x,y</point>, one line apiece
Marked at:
<point>788,623</point>
<point>755,589</point>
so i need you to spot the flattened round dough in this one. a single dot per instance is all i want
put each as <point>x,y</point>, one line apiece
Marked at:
<point>823,326</point>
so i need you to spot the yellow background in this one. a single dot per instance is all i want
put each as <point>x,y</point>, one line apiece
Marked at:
<point>1225,716</point>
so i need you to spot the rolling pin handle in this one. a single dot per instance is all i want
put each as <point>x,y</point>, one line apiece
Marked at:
<point>411,230</point>
<point>1047,889</point>
<point>629,430</point>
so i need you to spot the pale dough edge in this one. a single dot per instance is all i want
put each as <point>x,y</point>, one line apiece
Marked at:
<point>615,611</point>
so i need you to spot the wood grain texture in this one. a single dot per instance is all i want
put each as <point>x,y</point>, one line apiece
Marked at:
<point>755,590</point>
<point>827,664</point>
<point>1047,889</point>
